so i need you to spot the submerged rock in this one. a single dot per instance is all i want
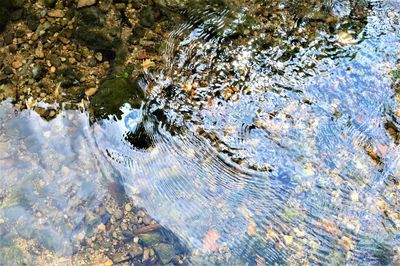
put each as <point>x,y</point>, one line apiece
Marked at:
<point>113,93</point>
<point>165,252</point>
<point>6,9</point>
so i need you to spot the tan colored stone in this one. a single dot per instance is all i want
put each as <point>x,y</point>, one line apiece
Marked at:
<point>90,92</point>
<point>17,64</point>
<point>56,13</point>
<point>84,3</point>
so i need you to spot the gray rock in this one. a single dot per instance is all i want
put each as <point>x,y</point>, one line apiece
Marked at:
<point>136,250</point>
<point>165,252</point>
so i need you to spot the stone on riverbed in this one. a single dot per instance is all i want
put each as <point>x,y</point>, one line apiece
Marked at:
<point>165,252</point>
<point>84,3</point>
<point>150,239</point>
<point>113,93</point>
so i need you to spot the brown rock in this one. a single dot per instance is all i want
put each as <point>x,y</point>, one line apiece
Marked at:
<point>56,13</point>
<point>90,92</point>
<point>84,3</point>
<point>17,64</point>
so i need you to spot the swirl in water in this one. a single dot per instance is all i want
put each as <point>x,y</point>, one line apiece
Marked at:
<point>274,147</point>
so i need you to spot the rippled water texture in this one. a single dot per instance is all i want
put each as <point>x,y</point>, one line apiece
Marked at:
<point>276,142</point>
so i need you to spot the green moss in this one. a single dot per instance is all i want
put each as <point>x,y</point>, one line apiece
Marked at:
<point>396,74</point>
<point>113,94</point>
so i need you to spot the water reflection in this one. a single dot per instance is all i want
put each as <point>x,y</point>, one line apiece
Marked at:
<point>273,145</point>
<point>285,154</point>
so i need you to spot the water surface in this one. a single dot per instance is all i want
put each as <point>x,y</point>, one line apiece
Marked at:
<point>271,138</point>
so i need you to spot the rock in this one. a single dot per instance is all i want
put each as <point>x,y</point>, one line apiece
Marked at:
<point>108,262</point>
<point>37,72</point>
<point>173,4</point>
<point>128,207</point>
<point>148,16</point>
<point>4,17</point>
<point>99,56</point>
<point>101,227</point>
<point>118,214</point>
<point>120,257</point>
<point>165,252</point>
<point>150,239</point>
<point>56,13</point>
<point>84,3</point>
<point>147,220</point>
<point>91,91</point>
<point>112,94</point>
<point>135,250</point>
<point>8,70</point>
<point>17,64</point>
<point>39,51</point>
<point>49,3</point>
<point>11,256</point>
<point>17,14</point>
<point>345,38</point>
<point>146,255</point>
<point>55,60</point>
<point>70,76</point>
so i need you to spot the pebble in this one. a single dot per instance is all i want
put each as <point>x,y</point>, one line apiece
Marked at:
<point>56,13</point>
<point>39,52</point>
<point>146,255</point>
<point>52,69</point>
<point>345,38</point>
<point>16,64</point>
<point>101,227</point>
<point>118,214</point>
<point>8,70</point>
<point>128,207</point>
<point>147,220</point>
<point>91,92</point>
<point>99,56</point>
<point>84,3</point>
<point>108,263</point>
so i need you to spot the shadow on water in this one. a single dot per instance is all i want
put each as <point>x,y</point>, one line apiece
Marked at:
<point>269,137</point>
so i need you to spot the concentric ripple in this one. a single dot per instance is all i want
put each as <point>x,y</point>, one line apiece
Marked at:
<point>275,146</point>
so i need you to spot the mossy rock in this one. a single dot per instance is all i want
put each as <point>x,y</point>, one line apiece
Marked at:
<point>49,3</point>
<point>150,239</point>
<point>114,93</point>
<point>6,9</point>
<point>4,17</point>
<point>91,16</point>
<point>69,76</point>
<point>12,4</point>
<point>165,252</point>
<point>99,40</point>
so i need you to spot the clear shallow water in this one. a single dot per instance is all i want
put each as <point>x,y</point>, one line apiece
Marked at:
<point>270,150</point>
